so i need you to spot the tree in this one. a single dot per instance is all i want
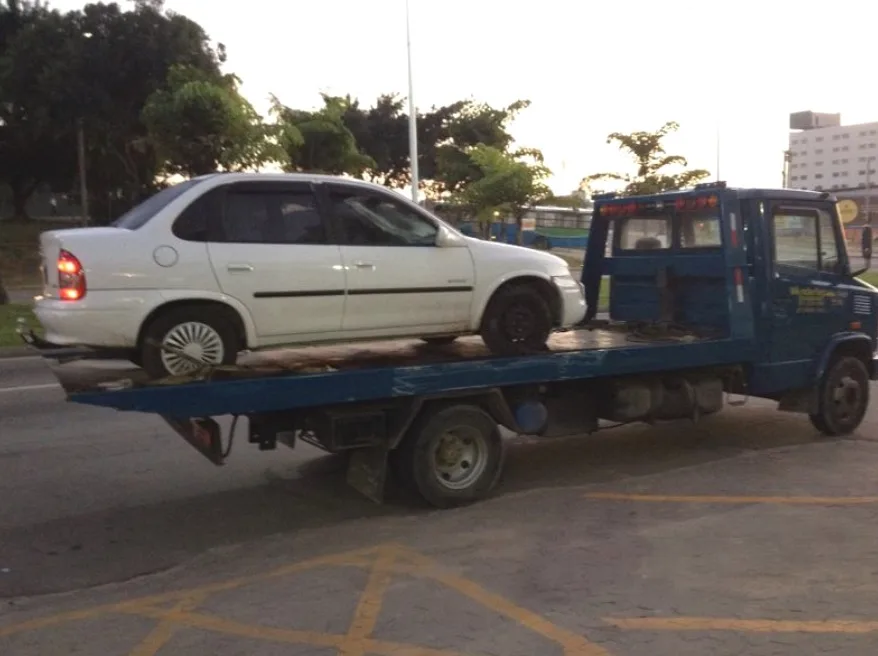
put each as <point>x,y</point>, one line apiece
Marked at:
<point>34,146</point>
<point>649,154</point>
<point>96,68</point>
<point>507,183</point>
<point>200,123</point>
<point>450,134</point>
<point>381,134</point>
<point>4,297</point>
<point>319,141</point>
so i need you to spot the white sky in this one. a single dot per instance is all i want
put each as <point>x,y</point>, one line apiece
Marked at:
<point>590,67</point>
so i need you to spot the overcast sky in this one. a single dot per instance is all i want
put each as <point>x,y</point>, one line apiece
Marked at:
<point>589,67</point>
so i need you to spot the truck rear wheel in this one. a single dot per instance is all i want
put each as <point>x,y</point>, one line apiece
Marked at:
<point>843,397</point>
<point>451,456</point>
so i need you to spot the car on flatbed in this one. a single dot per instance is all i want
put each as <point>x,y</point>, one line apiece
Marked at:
<point>233,261</point>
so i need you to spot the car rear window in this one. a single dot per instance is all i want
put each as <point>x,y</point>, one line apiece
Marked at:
<point>139,215</point>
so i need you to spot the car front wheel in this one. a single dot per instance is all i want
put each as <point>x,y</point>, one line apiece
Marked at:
<point>178,339</point>
<point>517,321</point>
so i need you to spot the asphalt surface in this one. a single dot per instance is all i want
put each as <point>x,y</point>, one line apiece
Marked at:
<point>744,534</point>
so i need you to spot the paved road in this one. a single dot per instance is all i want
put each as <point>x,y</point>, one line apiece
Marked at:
<point>592,546</point>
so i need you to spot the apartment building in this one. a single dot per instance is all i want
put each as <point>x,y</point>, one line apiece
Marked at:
<point>826,155</point>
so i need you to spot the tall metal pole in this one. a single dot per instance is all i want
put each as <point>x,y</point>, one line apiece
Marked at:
<point>83,184</point>
<point>413,116</point>
<point>717,153</point>
<point>868,188</point>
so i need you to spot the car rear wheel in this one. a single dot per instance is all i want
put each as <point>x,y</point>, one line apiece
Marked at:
<point>517,321</point>
<point>176,340</point>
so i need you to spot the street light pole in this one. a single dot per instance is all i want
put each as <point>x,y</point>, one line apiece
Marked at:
<point>869,161</point>
<point>80,157</point>
<point>83,184</point>
<point>413,117</point>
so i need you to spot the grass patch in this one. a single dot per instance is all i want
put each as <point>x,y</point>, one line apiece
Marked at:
<point>9,315</point>
<point>562,232</point>
<point>870,277</point>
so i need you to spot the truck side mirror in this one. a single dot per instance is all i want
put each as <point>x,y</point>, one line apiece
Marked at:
<point>866,244</point>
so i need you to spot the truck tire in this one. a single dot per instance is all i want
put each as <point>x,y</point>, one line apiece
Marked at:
<point>517,321</point>
<point>843,397</point>
<point>207,332</point>
<point>451,456</point>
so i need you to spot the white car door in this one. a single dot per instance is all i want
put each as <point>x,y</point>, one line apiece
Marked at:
<point>398,280</point>
<point>272,251</point>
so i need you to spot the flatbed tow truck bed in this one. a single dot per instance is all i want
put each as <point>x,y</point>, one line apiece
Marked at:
<point>278,380</point>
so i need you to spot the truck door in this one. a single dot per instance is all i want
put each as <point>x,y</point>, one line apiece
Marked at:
<point>808,269</point>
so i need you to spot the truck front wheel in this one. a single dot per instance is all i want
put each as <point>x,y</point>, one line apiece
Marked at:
<point>451,456</point>
<point>843,397</point>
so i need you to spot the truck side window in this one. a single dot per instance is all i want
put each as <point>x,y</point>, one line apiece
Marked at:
<point>829,254</point>
<point>796,239</point>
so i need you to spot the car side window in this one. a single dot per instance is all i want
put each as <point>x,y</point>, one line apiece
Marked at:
<point>371,219</point>
<point>796,239</point>
<point>271,216</point>
<point>196,221</point>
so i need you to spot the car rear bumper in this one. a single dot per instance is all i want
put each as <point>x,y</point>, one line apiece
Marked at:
<point>102,319</point>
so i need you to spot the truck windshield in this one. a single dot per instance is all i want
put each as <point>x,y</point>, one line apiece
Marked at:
<point>697,229</point>
<point>139,215</point>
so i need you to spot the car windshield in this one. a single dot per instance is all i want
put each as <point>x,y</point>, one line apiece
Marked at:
<point>140,214</point>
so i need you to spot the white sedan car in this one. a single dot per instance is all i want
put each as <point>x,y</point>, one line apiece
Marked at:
<point>238,261</point>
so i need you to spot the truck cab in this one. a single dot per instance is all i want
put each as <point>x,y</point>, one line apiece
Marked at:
<point>770,266</point>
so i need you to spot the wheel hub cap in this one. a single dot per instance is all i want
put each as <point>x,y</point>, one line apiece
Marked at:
<point>519,323</point>
<point>846,397</point>
<point>193,339</point>
<point>460,457</point>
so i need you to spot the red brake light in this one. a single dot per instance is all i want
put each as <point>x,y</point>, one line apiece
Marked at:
<point>71,277</point>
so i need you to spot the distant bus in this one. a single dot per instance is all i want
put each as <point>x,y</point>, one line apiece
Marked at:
<point>543,226</point>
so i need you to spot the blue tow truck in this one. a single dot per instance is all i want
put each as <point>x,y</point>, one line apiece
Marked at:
<point>714,291</point>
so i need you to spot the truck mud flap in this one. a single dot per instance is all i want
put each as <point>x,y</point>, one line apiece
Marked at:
<point>202,434</point>
<point>367,472</point>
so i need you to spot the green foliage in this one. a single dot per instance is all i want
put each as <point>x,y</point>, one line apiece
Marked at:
<point>319,141</point>
<point>457,129</point>
<point>508,183</point>
<point>98,65</point>
<point>200,123</point>
<point>647,150</point>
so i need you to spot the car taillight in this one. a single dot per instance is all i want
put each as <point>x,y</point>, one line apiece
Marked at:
<point>71,277</point>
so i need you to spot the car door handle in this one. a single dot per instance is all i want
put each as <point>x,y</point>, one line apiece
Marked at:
<point>239,268</point>
<point>364,265</point>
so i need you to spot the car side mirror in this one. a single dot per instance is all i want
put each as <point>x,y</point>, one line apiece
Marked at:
<point>446,238</point>
<point>866,243</point>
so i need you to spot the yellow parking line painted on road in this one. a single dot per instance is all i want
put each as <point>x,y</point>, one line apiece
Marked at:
<point>382,562</point>
<point>744,626</point>
<point>53,620</point>
<point>572,643</point>
<point>287,636</point>
<point>161,634</point>
<point>678,498</point>
<point>369,606</point>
